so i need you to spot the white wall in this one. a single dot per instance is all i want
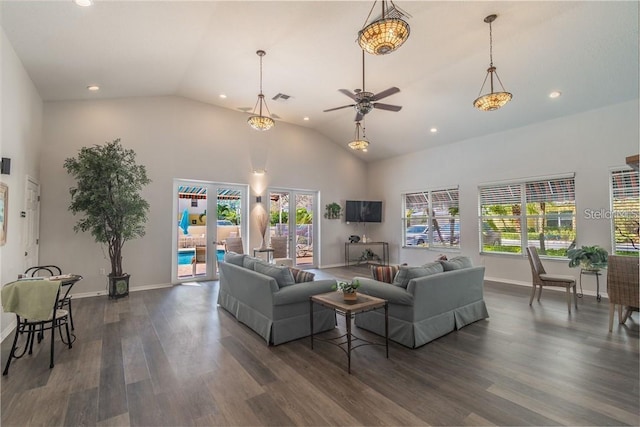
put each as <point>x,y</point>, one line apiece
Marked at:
<point>178,138</point>
<point>588,144</point>
<point>21,136</point>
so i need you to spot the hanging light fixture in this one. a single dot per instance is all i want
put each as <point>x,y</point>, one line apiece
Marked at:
<point>260,122</point>
<point>359,144</point>
<point>386,34</point>
<point>493,100</point>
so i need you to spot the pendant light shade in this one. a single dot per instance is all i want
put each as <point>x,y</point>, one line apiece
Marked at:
<point>258,121</point>
<point>386,34</point>
<point>492,100</point>
<point>359,144</point>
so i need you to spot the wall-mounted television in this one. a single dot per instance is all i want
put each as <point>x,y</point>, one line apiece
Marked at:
<point>363,211</point>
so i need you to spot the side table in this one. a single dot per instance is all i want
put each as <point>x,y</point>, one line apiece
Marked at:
<point>268,251</point>
<point>363,303</point>
<point>592,273</point>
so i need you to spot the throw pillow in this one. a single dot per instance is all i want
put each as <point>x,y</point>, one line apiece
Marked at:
<point>281,273</point>
<point>457,263</point>
<point>405,274</point>
<point>234,258</point>
<point>441,258</point>
<point>300,276</point>
<point>384,273</point>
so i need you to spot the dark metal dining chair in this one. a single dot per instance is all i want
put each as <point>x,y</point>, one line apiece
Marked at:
<point>35,304</point>
<point>54,270</point>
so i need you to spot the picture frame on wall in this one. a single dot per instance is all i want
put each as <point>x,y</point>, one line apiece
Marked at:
<point>4,209</point>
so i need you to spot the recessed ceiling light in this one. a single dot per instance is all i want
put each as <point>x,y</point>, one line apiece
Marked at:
<point>83,3</point>
<point>223,96</point>
<point>433,130</point>
<point>259,171</point>
<point>555,94</point>
<point>93,88</point>
<point>306,119</point>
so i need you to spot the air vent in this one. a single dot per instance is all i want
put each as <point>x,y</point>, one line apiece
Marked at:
<point>281,97</point>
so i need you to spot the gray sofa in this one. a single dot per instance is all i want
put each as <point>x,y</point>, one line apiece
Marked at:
<point>278,312</point>
<point>433,303</point>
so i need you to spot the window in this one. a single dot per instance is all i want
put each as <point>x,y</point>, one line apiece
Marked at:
<point>625,212</point>
<point>537,213</point>
<point>431,219</point>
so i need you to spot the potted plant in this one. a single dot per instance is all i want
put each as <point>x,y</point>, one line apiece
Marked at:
<point>588,257</point>
<point>348,289</point>
<point>107,194</point>
<point>334,211</point>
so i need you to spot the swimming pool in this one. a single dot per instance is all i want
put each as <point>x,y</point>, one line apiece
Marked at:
<point>186,255</point>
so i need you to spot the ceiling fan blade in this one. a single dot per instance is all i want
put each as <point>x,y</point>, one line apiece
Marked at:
<point>339,108</point>
<point>359,116</point>
<point>387,107</point>
<point>385,93</point>
<point>348,93</point>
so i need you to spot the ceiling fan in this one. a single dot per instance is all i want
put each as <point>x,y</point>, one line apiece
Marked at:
<point>366,101</point>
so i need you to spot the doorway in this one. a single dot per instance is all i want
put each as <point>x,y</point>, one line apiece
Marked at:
<point>292,214</point>
<point>204,222</point>
<point>32,223</point>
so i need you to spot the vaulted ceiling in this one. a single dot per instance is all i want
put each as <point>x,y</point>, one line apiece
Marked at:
<point>200,50</point>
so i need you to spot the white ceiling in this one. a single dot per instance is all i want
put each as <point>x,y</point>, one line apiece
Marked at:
<point>586,50</point>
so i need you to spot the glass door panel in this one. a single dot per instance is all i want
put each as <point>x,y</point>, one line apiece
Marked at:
<point>199,237</point>
<point>292,214</point>
<point>305,214</point>
<point>191,251</point>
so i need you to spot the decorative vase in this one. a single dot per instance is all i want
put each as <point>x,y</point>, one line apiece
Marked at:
<point>350,296</point>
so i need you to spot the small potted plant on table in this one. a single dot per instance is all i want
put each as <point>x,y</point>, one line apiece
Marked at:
<point>348,289</point>
<point>591,258</point>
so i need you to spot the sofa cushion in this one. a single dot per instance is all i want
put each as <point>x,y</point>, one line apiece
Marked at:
<point>249,262</point>
<point>301,276</point>
<point>457,263</point>
<point>234,258</point>
<point>407,273</point>
<point>281,273</point>
<point>384,273</point>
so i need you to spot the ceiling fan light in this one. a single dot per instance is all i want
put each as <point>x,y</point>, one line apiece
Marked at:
<point>261,122</point>
<point>383,36</point>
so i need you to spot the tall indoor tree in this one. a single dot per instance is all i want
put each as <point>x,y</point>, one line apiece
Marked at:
<point>107,195</point>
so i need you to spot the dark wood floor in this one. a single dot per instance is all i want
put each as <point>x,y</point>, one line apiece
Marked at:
<point>171,357</point>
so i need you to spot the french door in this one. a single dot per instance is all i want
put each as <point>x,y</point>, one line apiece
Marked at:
<point>205,214</point>
<point>293,214</point>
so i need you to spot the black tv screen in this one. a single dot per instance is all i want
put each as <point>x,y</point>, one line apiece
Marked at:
<point>363,211</point>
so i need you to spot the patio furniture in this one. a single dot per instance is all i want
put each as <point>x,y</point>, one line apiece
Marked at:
<point>234,244</point>
<point>280,245</point>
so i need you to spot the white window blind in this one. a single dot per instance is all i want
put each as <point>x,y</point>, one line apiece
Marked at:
<point>625,211</point>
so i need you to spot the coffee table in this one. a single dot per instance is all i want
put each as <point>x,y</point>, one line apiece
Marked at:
<point>363,303</point>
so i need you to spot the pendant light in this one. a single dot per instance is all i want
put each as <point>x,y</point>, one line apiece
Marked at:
<point>493,100</point>
<point>260,122</point>
<point>359,144</point>
<point>386,34</point>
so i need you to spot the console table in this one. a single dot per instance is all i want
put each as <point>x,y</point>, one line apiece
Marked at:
<point>384,258</point>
